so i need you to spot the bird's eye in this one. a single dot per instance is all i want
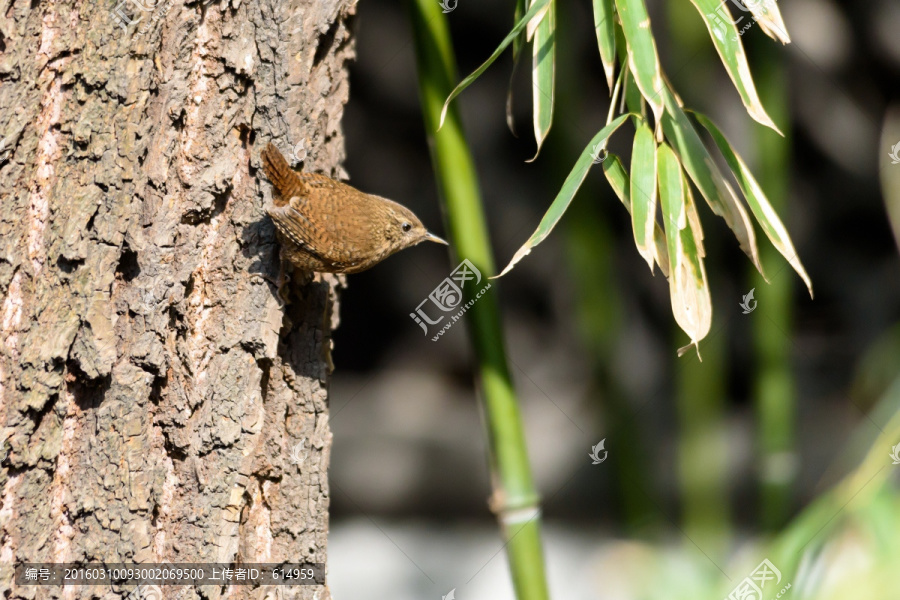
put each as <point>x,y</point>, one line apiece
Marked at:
<point>406,227</point>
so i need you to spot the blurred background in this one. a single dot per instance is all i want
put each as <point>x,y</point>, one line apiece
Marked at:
<point>704,459</point>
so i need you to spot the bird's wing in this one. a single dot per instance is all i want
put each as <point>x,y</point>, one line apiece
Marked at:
<point>303,232</point>
<point>286,181</point>
<point>331,219</point>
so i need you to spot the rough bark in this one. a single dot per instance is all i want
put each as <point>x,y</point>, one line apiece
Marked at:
<point>152,386</point>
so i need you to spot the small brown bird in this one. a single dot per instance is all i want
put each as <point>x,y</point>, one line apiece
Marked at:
<point>331,227</point>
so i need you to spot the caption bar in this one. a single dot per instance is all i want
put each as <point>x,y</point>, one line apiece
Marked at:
<point>170,574</point>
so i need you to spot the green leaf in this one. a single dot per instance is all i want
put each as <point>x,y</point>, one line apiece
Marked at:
<point>688,286</point>
<point>633,99</point>
<point>696,160</point>
<point>728,44</point>
<point>756,198</point>
<point>604,27</point>
<point>543,73</point>
<point>643,191</point>
<point>519,40</point>
<point>618,181</point>
<point>567,192</point>
<point>536,7</point>
<point>518,44</point>
<point>641,50</point>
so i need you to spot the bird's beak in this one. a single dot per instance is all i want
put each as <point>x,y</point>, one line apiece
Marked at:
<point>430,237</point>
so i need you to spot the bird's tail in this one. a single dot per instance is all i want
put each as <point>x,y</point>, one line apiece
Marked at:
<point>279,172</point>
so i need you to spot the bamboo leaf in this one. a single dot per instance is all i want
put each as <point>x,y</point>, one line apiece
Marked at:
<point>618,180</point>
<point>643,191</point>
<point>759,205</point>
<point>519,40</point>
<point>604,27</point>
<point>688,286</point>
<point>518,44</point>
<point>566,193</point>
<point>728,44</point>
<point>720,196</point>
<point>543,74</point>
<point>694,216</point>
<point>633,100</point>
<point>632,95</point>
<point>643,59</point>
<point>766,13</point>
<point>536,7</point>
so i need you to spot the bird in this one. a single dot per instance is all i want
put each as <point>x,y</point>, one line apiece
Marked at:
<point>326,226</point>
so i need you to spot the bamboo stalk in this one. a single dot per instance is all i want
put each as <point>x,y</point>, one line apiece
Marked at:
<point>514,499</point>
<point>703,449</point>
<point>775,397</point>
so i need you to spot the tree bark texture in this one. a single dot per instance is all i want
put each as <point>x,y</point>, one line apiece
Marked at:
<point>158,400</point>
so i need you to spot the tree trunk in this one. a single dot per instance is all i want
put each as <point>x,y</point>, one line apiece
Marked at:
<point>157,400</point>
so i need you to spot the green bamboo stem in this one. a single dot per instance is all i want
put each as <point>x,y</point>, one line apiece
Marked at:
<point>703,447</point>
<point>514,500</point>
<point>774,392</point>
